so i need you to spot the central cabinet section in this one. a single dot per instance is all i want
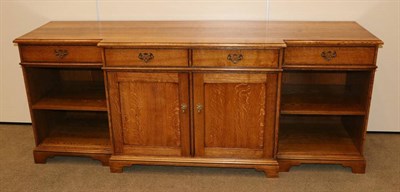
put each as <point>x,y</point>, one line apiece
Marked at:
<point>170,108</point>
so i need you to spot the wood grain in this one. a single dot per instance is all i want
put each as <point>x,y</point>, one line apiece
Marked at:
<point>314,137</point>
<point>150,122</point>
<point>39,82</point>
<point>233,121</point>
<point>357,166</point>
<point>54,91</point>
<point>162,57</point>
<point>77,54</point>
<point>325,93</point>
<point>237,78</point>
<point>75,133</point>
<point>199,33</point>
<point>355,128</point>
<point>344,56</point>
<point>83,96</point>
<point>78,129</point>
<point>234,115</point>
<point>191,69</point>
<point>269,166</point>
<point>41,121</point>
<point>251,58</point>
<point>66,89</point>
<point>149,77</point>
<point>41,157</point>
<point>79,74</point>
<point>157,122</point>
<point>314,77</point>
<point>237,153</point>
<point>320,100</point>
<point>271,115</point>
<point>64,65</point>
<point>324,104</point>
<point>115,112</point>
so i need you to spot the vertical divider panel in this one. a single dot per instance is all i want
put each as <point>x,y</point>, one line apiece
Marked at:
<point>184,116</point>
<point>191,111</point>
<point>270,117</point>
<point>198,83</point>
<point>115,112</point>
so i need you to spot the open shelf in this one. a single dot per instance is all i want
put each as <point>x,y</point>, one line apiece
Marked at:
<point>325,93</point>
<point>74,89</point>
<point>313,137</point>
<point>320,99</point>
<point>76,131</point>
<point>85,96</point>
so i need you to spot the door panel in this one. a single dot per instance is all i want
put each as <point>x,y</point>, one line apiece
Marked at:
<point>239,107</point>
<point>154,110</point>
<point>237,118</point>
<point>147,115</point>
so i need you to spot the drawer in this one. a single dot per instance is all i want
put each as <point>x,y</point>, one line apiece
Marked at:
<point>146,57</point>
<point>61,54</point>
<point>236,58</point>
<point>329,56</point>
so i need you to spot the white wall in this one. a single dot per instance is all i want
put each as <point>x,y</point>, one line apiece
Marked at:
<point>381,17</point>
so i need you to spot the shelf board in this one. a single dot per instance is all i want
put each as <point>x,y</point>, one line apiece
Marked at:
<point>314,140</point>
<point>320,100</point>
<point>80,96</point>
<point>78,133</point>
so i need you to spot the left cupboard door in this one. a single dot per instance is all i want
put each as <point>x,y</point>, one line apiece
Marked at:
<point>149,113</point>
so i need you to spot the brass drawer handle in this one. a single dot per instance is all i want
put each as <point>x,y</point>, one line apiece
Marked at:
<point>328,55</point>
<point>146,57</point>
<point>199,108</point>
<point>234,58</point>
<point>60,53</point>
<point>183,107</point>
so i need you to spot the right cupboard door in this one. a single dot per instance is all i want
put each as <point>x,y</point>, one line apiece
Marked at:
<point>235,114</point>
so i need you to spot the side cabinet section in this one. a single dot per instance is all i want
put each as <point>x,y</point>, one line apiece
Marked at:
<point>150,113</point>
<point>235,114</point>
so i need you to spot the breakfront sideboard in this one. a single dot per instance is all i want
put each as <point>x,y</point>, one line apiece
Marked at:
<point>245,94</point>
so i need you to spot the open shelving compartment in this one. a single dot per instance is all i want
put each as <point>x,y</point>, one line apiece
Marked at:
<point>73,131</point>
<point>66,89</point>
<point>319,137</point>
<point>69,112</point>
<point>325,93</point>
<point>323,115</point>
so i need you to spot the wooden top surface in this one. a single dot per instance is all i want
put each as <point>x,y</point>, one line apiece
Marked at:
<point>200,33</point>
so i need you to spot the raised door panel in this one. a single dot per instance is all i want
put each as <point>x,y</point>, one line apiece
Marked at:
<point>235,115</point>
<point>147,118</point>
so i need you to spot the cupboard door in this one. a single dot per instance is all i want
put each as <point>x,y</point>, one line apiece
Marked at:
<point>150,113</point>
<point>235,115</point>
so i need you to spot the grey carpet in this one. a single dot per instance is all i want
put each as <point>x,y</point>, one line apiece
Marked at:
<point>19,173</point>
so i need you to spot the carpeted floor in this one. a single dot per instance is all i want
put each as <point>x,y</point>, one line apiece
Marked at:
<point>19,173</point>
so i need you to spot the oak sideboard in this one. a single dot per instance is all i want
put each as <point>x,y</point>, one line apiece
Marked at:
<point>245,94</point>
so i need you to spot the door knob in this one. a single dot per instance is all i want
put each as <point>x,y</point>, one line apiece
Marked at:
<point>183,107</point>
<point>199,108</point>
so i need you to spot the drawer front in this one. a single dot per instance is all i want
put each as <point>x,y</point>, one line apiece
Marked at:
<point>146,57</point>
<point>329,56</point>
<point>236,58</point>
<point>61,54</point>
